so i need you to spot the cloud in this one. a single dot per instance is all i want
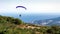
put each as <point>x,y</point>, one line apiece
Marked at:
<point>34,6</point>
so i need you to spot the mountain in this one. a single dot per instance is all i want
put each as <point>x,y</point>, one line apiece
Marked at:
<point>11,25</point>
<point>49,22</point>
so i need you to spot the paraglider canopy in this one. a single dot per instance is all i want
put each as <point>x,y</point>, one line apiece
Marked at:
<point>21,7</point>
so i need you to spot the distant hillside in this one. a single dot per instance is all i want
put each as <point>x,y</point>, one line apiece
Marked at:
<point>53,21</point>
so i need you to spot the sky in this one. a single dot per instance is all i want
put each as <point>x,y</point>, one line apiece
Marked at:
<point>33,6</point>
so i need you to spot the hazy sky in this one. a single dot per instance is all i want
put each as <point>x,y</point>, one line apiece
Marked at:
<point>33,6</point>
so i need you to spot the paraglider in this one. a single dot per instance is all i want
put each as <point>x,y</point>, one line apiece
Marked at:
<point>21,7</point>
<point>20,15</point>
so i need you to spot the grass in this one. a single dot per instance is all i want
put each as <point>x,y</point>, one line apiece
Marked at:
<point>9,25</point>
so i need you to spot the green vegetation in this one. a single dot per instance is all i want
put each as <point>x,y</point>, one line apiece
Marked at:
<point>10,25</point>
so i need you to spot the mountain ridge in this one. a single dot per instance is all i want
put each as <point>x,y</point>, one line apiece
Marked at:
<point>52,21</point>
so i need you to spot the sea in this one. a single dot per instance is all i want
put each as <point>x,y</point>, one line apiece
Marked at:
<point>31,17</point>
